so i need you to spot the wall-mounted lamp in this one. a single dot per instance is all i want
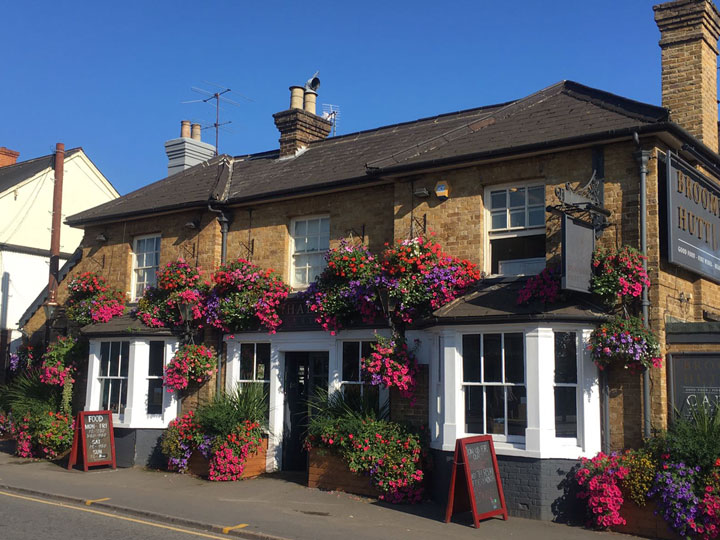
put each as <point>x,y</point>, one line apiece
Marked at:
<point>50,308</point>
<point>101,237</point>
<point>194,224</point>
<point>421,193</point>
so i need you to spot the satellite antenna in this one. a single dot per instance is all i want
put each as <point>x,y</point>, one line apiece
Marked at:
<point>331,113</point>
<point>218,96</point>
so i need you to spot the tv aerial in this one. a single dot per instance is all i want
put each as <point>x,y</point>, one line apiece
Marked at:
<point>219,97</point>
<point>331,113</point>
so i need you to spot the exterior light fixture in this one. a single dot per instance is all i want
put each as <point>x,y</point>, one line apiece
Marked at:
<point>50,308</point>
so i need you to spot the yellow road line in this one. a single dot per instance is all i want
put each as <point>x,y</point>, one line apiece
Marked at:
<point>106,514</point>
<point>90,501</point>
<point>240,526</point>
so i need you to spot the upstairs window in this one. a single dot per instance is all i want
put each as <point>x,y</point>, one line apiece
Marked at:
<point>146,258</point>
<point>310,239</point>
<point>516,229</point>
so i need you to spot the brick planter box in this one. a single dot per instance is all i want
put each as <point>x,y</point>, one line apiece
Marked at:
<point>255,464</point>
<point>328,471</point>
<point>644,522</point>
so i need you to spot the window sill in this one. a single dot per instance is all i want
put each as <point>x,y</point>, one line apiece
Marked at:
<point>519,450</point>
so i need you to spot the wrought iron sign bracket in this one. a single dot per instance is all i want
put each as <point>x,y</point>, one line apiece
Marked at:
<point>584,200</point>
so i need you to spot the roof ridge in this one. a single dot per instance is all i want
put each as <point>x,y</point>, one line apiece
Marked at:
<point>31,160</point>
<point>613,102</point>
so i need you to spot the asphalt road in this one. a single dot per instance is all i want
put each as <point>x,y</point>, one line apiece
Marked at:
<point>25,518</point>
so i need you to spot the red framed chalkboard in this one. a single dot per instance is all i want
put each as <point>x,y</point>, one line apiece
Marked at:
<point>94,441</point>
<point>475,482</point>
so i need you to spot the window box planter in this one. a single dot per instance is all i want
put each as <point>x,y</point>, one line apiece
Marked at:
<point>644,522</point>
<point>328,471</point>
<point>199,465</point>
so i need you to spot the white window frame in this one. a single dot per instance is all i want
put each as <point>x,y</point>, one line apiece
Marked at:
<point>383,393</point>
<point>510,232</point>
<point>114,378</point>
<point>134,280</point>
<point>505,437</point>
<point>571,441</point>
<point>135,414</point>
<point>540,438</point>
<point>320,251</point>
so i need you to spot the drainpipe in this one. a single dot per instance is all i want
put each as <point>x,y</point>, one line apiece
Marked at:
<point>642,157</point>
<point>224,221</point>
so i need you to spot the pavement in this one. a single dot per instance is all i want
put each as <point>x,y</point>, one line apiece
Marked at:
<point>272,506</point>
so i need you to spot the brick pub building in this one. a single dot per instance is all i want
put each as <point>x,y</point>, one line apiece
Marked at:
<point>502,166</point>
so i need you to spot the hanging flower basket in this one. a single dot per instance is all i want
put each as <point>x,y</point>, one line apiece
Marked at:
<point>191,364</point>
<point>626,342</point>
<point>92,300</point>
<point>393,365</point>
<point>618,275</point>
<point>245,296</point>
<point>544,287</point>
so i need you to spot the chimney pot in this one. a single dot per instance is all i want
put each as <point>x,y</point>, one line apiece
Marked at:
<point>185,129</point>
<point>196,132</point>
<point>296,97</point>
<point>310,101</point>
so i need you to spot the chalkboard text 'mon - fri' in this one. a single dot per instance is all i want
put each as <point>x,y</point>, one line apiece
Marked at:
<point>475,482</point>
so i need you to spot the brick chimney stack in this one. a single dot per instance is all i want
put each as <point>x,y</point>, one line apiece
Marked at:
<point>689,31</point>
<point>299,127</point>
<point>8,157</point>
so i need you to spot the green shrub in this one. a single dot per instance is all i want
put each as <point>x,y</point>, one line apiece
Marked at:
<point>695,438</point>
<point>226,411</point>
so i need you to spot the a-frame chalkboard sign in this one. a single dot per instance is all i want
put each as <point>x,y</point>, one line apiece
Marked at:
<point>94,441</point>
<point>475,482</point>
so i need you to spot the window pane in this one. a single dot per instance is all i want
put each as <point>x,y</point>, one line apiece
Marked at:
<point>510,249</point>
<point>157,358</point>
<point>300,227</point>
<point>104,358</point>
<point>514,358</point>
<point>123,395</point>
<point>247,360</point>
<point>492,354</point>
<point>325,226</point>
<point>115,395</point>
<point>474,409</point>
<point>300,245</point>
<point>536,195</point>
<point>311,243</point>
<point>517,218</point>
<point>565,412</point>
<point>495,409</point>
<point>324,243</point>
<point>471,358</point>
<point>262,362</point>
<point>498,199</point>
<point>536,216</point>
<point>499,220</point>
<point>565,357</point>
<point>517,197</point>
<point>114,358</point>
<point>300,274</point>
<point>105,395</point>
<point>516,410</point>
<point>124,358</point>
<point>313,227</point>
<point>350,361</point>
<point>155,396</point>
<point>365,349</point>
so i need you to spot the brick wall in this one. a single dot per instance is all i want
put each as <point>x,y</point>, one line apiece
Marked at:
<point>401,409</point>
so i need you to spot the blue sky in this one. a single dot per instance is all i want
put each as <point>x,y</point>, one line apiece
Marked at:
<point>110,77</point>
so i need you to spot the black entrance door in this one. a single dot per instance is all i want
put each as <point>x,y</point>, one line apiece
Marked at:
<point>304,372</point>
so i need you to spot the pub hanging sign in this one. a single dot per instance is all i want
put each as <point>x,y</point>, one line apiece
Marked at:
<point>693,219</point>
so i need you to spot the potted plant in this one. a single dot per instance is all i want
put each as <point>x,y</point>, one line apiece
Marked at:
<point>627,342</point>
<point>190,365</point>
